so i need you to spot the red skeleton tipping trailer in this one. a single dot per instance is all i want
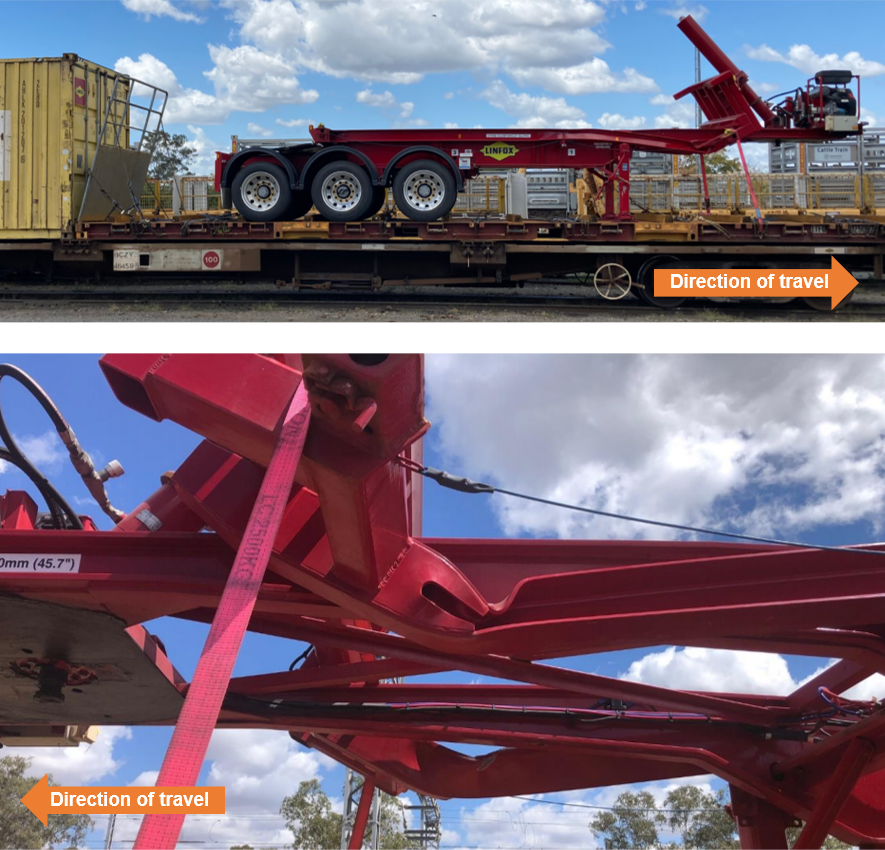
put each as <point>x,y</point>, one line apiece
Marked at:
<point>344,174</point>
<point>342,564</point>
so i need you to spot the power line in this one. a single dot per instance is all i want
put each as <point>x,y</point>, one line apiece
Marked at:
<point>466,485</point>
<point>611,808</point>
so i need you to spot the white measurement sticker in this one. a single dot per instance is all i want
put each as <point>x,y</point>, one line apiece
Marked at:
<point>126,260</point>
<point>373,246</point>
<point>39,563</point>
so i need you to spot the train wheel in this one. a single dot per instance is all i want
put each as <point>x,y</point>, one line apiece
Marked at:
<point>342,191</point>
<point>261,192</point>
<point>646,277</point>
<point>424,190</point>
<point>823,304</point>
<point>301,205</point>
<point>612,281</point>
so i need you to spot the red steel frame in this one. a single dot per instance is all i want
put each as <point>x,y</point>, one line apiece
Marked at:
<point>734,113</point>
<point>350,572</point>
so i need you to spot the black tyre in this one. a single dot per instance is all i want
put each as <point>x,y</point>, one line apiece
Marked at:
<point>342,191</point>
<point>646,276</point>
<point>824,305</point>
<point>301,205</point>
<point>261,192</point>
<point>379,198</point>
<point>424,190</point>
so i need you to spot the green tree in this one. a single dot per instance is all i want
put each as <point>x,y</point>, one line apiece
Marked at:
<point>18,827</point>
<point>700,819</point>
<point>632,823</point>
<point>314,826</point>
<point>715,163</point>
<point>170,154</point>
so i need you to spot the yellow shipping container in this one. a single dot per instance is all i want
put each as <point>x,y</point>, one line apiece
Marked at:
<point>53,114</point>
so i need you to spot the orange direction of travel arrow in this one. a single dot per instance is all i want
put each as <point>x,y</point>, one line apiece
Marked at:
<point>44,800</point>
<point>834,284</point>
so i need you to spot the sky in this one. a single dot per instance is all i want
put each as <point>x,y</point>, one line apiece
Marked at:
<point>792,446</point>
<point>269,68</point>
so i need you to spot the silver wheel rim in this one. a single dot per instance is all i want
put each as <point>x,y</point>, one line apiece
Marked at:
<point>424,190</point>
<point>342,191</point>
<point>260,191</point>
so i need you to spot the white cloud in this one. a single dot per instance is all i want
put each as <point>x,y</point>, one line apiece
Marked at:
<point>677,113</point>
<point>449,95</point>
<point>385,100</point>
<point>46,451</point>
<point>147,8</point>
<point>534,42</point>
<point>294,122</point>
<point>257,768</point>
<point>591,77</point>
<point>534,110</point>
<point>871,688</point>
<point>697,12</point>
<point>205,148</point>
<point>734,671</point>
<point>801,56</point>
<point>765,444</point>
<point>763,88</point>
<point>718,670</point>
<point>451,125</point>
<point>80,765</point>
<point>616,121</point>
<point>250,80</point>
<point>258,130</point>
<point>245,80</point>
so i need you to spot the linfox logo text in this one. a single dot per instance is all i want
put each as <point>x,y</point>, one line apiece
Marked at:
<point>499,151</point>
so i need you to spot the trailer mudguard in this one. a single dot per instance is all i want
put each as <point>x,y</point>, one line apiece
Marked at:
<point>456,172</point>
<point>235,163</point>
<point>313,162</point>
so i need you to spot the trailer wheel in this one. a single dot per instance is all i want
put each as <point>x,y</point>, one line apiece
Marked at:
<point>342,191</point>
<point>261,192</point>
<point>424,190</point>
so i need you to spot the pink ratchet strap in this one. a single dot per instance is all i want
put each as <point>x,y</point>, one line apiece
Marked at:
<point>205,695</point>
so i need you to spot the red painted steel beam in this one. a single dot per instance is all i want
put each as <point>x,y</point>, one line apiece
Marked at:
<point>579,610</point>
<point>538,674</point>
<point>870,728</point>
<point>717,58</point>
<point>834,797</point>
<point>362,814</point>
<point>838,678</point>
<point>760,825</point>
<point>327,676</point>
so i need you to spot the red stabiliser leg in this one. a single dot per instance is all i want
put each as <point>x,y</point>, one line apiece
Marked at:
<point>362,815</point>
<point>761,826</point>
<point>838,789</point>
<point>199,714</point>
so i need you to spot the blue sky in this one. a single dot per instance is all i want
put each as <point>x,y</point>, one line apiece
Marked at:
<point>794,442</point>
<point>249,67</point>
